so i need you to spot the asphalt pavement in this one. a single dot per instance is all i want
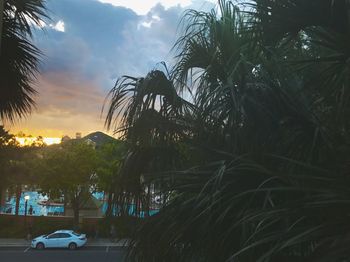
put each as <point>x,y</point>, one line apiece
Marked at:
<point>85,254</point>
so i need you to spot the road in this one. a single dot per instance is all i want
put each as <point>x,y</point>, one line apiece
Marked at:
<point>86,254</point>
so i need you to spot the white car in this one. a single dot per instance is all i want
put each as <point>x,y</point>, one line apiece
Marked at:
<point>60,239</point>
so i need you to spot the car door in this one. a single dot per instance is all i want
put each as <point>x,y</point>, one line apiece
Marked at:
<point>52,240</point>
<point>64,239</point>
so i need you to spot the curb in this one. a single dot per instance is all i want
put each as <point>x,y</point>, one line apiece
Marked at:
<point>27,244</point>
<point>100,245</point>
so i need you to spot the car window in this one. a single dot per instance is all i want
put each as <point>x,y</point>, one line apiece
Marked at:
<point>65,235</point>
<point>55,235</point>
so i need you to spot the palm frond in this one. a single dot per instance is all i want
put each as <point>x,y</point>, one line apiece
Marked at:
<point>19,58</point>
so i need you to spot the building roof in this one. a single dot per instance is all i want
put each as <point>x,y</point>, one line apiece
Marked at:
<point>99,138</point>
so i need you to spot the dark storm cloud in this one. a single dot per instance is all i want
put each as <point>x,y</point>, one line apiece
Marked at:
<point>99,43</point>
<point>91,37</point>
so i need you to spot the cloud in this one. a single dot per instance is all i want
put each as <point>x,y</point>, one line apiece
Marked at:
<point>87,45</point>
<point>143,7</point>
<point>59,26</point>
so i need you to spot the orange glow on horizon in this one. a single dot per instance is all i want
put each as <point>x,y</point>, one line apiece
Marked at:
<point>20,131</point>
<point>52,140</point>
<point>27,141</point>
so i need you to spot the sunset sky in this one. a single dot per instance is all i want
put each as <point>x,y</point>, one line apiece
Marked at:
<point>87,45</point>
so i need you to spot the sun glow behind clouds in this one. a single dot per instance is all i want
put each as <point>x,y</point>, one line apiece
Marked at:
<point>141,7</point>
<point>27,141</point>
<point>52,140</point>
<point>59,26</point>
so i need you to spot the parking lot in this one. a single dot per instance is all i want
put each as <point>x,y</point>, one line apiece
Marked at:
<point>86,254</point>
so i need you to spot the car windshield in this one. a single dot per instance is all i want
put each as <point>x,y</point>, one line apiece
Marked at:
<point>76,234</point>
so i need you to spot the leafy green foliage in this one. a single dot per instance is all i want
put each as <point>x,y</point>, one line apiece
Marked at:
<point>69,170</point>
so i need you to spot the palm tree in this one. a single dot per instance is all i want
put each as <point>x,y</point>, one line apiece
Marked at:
<point>1,18</point>
<point>148,114</point>
<point>19,58</point>
<point>268,137</point>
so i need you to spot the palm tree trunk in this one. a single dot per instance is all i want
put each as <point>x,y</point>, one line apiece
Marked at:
<point>138,206</point>
<point>18,198</point>
<point>75,206</point>
<point>2,197</point>
<point>1,20</point>
<point>119,205</point>
<point>148,203</point>
<point>64,203</point>
<point>109,205</point>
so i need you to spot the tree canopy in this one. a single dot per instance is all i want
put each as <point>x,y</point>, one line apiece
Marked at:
<point>69,171</point>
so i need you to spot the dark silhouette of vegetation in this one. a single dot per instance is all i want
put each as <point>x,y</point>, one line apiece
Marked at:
<point>109,181</point>
<point>148,112</point>
<point>246,137</point>
<point>7,145</point>
<point>19,58</point>
<point>16,165</point>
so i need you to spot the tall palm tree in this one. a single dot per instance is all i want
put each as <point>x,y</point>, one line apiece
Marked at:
<point>19,58</point>
<point>147,111</point>
<point>269,137</point>
<point>1,18</point>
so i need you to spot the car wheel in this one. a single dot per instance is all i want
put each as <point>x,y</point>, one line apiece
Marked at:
<point>72,246</point>
<point>40,246</point>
